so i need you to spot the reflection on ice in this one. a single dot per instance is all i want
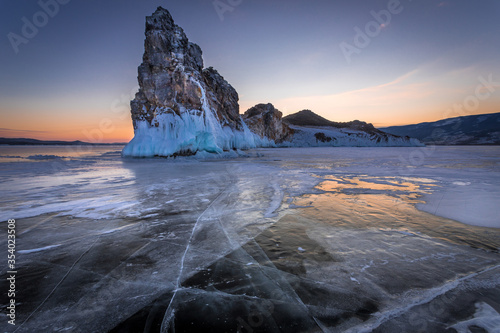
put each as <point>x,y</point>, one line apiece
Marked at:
<point>386,202</point>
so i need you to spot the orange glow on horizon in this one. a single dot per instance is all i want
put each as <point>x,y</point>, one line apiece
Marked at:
<point>92,135</point>
<point>412,98</point>
<point>93,126</point>
<point>125,133</point>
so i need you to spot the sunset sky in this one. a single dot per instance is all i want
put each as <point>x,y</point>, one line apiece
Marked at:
<point>386,62</point>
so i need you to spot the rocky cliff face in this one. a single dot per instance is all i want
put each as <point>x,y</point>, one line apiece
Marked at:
<point>265,121</point>
<point>172,72</point>
<point>181,108</point>
<point>222,97</point>
<point>167,57</point>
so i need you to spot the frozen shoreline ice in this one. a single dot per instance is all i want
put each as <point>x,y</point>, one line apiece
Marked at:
<point>306,232</point>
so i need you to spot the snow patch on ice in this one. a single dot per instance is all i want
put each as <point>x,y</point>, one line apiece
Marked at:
<point>38,249</point>
<point>92,208</point>
<point>477,206</point>
<point>115,229</point>
<point>485,317</point>
<point>365,267</point>
<point>461,183</point>
<point>276,201</point>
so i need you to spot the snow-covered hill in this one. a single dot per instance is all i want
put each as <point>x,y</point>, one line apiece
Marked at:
<point>468,130</point>
<point>312,130</point>
<point>344,137</point>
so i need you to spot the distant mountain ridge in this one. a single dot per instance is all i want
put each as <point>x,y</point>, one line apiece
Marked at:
<point>312,130</point>
<point>481,129</point>
<point>27,141</point>
<point>309,118</point>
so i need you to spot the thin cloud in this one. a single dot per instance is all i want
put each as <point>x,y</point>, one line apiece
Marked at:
<point>394,82</point>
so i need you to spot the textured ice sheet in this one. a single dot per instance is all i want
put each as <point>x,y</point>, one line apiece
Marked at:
<point>296,240</point>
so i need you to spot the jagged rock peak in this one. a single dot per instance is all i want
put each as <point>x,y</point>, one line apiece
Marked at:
<point>167,45</point>
<point>160,20</point>
<point>172,80</point>
<point>266,121</point>
<point>182,109</point>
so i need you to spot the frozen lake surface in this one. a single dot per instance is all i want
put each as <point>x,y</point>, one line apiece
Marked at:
<point>284,240</point>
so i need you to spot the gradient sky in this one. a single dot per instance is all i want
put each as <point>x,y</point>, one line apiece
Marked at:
<point>75,77</point>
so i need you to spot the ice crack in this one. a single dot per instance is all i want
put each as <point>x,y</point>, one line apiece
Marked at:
<point>169,313</point>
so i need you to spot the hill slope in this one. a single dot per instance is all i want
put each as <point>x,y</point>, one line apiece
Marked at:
<point>312,130</point>
<point>468,130</point>
<point>309,118</point>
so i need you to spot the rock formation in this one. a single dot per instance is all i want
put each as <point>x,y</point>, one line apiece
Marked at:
<point>181,108</point>
<point>265,121</point>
